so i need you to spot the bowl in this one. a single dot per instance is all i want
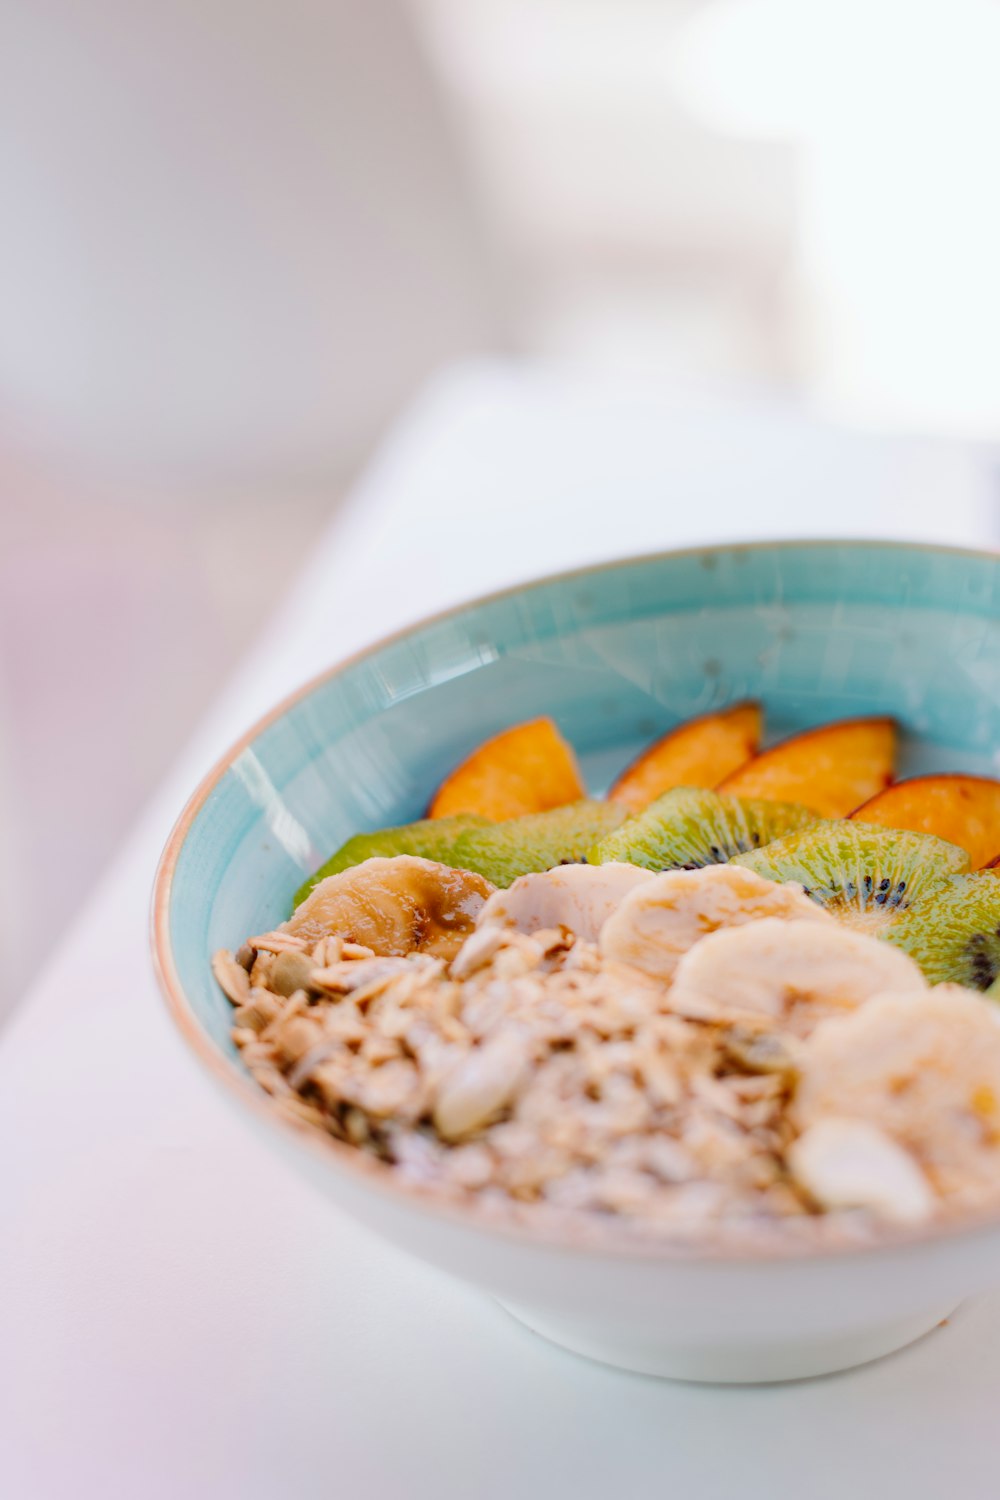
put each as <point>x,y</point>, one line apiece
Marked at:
<point>614,654</point>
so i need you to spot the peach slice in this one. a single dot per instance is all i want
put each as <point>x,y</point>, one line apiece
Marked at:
<point>830,769</point>
<point>697,753</point>
<point>965,810</point>
<point>528,768</point>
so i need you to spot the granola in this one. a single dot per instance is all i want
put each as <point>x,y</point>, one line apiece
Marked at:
<point>539,1072</point>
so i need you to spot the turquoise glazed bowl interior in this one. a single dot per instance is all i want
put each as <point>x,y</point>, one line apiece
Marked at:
<point>615,655</point>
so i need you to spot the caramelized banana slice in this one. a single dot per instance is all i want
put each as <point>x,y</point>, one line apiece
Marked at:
<point>925,1070</point>
<point>578,897</point>
<point>792,974</point>
<point>662,918</point>
<point>394,906</point>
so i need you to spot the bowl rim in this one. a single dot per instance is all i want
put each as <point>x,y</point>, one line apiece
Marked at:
<point>727,1249</point>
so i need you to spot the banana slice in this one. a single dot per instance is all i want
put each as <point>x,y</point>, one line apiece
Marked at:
<point>662,918</point>
<point>852,1164</point>
<point>578,897</point>
<point>793,974</point>
<point>395,906</point>
<point>924,1069</point>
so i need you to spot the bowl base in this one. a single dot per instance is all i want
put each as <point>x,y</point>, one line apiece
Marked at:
<point>734,1362</point>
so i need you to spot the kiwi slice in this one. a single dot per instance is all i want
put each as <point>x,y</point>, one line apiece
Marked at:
<point>868,876</point>
<point>687,828</point>
<point>955,935</point>
<point>431,838</point>
<point>537,841</point>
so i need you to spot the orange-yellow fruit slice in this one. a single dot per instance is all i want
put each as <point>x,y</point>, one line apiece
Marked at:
<point>528,768</point>
<point>965,810</point>
<point>697,753</point>
<point>831,769</point>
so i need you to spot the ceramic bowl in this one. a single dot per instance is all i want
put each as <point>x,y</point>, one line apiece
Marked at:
<point>615,654</point>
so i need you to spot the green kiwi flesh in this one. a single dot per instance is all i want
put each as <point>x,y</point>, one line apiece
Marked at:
<point>870,877</point>
<point>538,841</point>
<point>688,828</point>
<point>956,936</point>
<point>431,838</point>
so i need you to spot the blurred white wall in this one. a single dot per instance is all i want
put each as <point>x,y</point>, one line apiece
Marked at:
<point>236,233</point>
<point>894,111</point>
<point>791,191</point>
<point>236,236</point>
<point>642,236</point>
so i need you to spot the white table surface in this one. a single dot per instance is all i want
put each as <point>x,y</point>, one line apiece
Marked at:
<point>180,1317</point>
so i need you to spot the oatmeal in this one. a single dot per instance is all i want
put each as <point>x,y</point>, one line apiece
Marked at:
<point>540,1068</point>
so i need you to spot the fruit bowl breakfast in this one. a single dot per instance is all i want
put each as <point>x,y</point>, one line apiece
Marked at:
<point>684,1044</point>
